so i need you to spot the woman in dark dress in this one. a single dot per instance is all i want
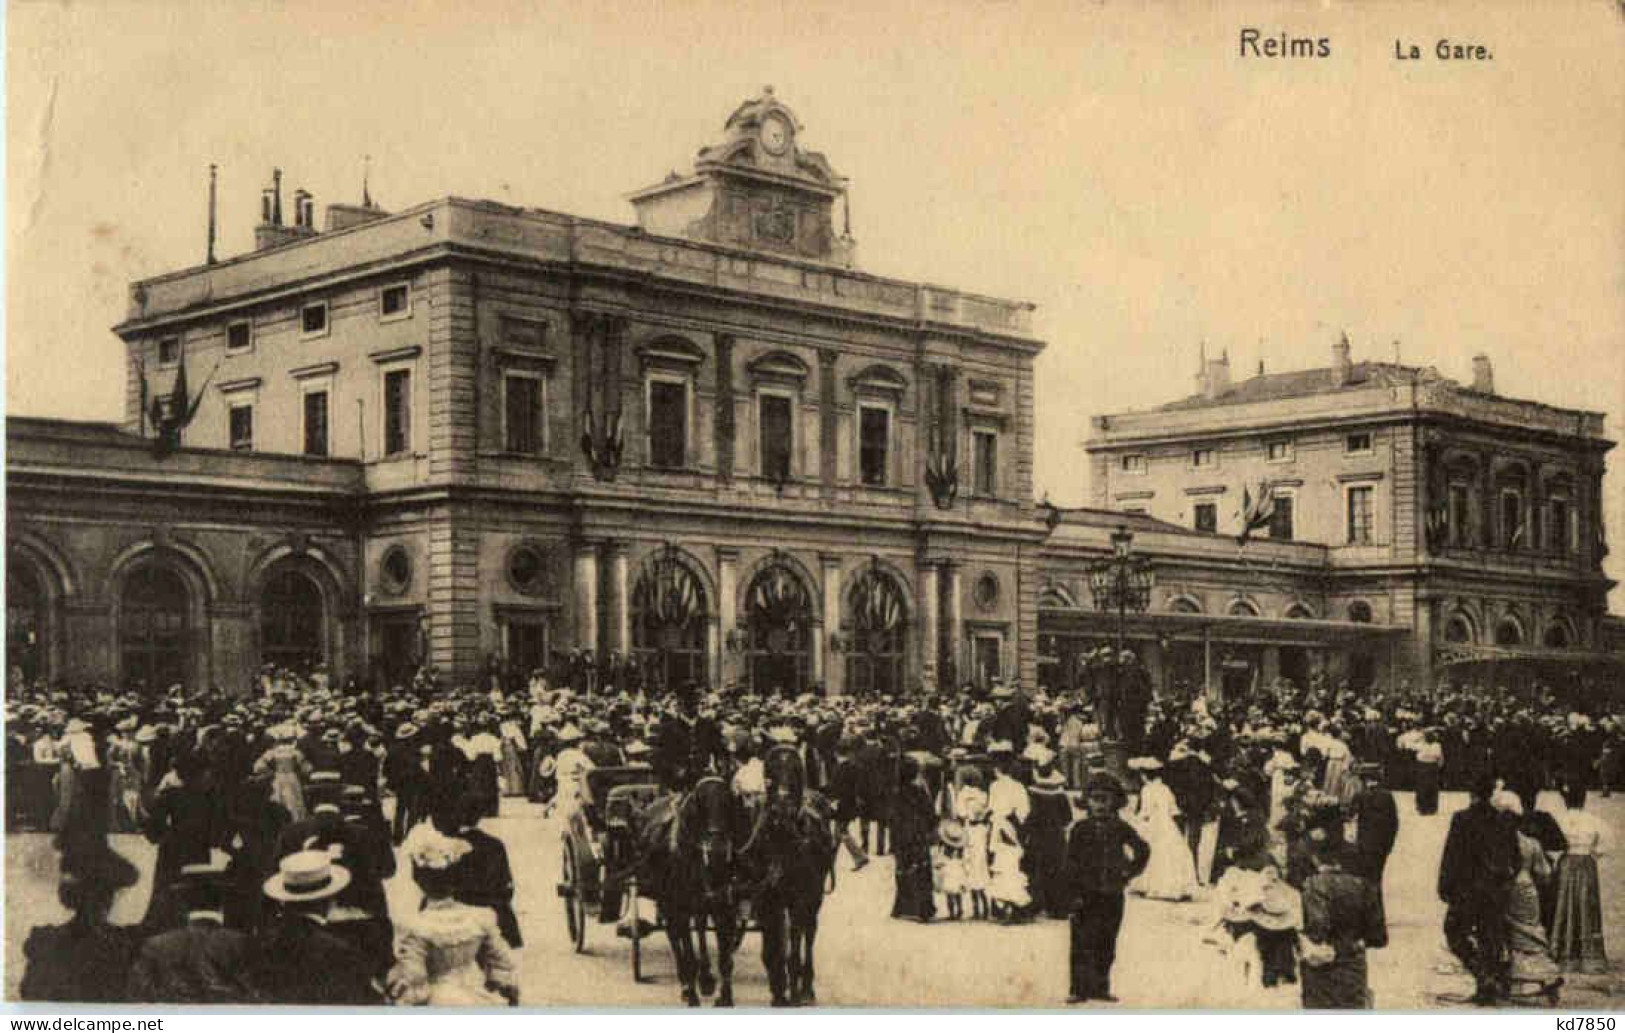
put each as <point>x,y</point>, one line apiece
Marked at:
<point>182,823</point>
<point>1341,920</point>
<point>86,959</point>
<point>914,829</point>
<point>1045,830</point>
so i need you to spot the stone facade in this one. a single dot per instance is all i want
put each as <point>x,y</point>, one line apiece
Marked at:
<point>468,433</point>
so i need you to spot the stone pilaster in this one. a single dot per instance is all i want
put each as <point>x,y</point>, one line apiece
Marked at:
<point>930,630</point>
<point>834,668</point>
<point>955,618</point>
<point>728,670</point>
<point>586,595</point>
<point>622,639</point>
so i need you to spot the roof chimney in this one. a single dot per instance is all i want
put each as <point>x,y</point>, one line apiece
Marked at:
<point>1216,377</point>
<point>271,232</point>
<point>1483,374</point>
<point>1342,368</point>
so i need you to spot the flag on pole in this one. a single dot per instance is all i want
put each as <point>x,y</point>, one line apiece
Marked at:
<point>1256,512</point>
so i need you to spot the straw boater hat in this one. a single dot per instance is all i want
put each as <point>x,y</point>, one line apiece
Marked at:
<point>1145,764</point>
<point>951,833</point>
<point>1000,747</point>
<point>1049,780</point>
<point>637,748</point>
<point>147,734</point>
<point>569,733</point>
<point>76,725</point>
<point>783,734</point>
<point>305,876</point>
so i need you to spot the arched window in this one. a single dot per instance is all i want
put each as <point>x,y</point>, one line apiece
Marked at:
<point>1243,608</point>
<point>1557,636</point>
<point>1183,604</point>
<point>1458,630</point>
<point>670,623</point>
<point>154,628</point>
<point>293,617</point>
<point>778,621</point>
<point>1507,633</point>
<point>1299,612</point>
<point>25,618</point>
<point>1360,611</point>
<point>1055,597</point>
<point>874,662</point>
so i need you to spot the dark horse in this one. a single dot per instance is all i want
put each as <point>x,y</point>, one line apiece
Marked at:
<point>693,841</point>
<point>794,853</point>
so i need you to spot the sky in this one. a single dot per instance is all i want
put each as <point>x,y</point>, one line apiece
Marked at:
<point>1121,165</point>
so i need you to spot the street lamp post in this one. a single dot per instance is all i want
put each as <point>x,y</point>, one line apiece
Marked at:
<point>1121,583</point>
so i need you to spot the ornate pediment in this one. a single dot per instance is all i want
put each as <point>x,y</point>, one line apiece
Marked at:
<point>878,379</point>
<point>779,365</point>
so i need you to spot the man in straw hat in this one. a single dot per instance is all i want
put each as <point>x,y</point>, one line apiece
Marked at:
<point>1104,854</point>
<point>299,961</point>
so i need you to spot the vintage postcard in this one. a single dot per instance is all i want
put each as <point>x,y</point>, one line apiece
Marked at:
<point>1027,505</point>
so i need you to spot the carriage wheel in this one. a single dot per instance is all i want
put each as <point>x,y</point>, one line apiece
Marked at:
<point>575,907</point>
<point>631,907</point>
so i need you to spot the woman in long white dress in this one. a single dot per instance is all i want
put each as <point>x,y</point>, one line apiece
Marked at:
<point>449,954</point>
<point>1171,873</point>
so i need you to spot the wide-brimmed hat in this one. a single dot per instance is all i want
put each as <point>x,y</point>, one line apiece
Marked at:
<point>1145,764</point>
<point>406,731</point>
<point>783,734</point>
<point>951,833</point>
<point>1105,782</point>
<point>569,733</point>
<point>1000,747</point>
<point>306,875</point>
<point>637,748</point>
<point>1002,690</point>
<point>128,723</point>
<point>148,733</point>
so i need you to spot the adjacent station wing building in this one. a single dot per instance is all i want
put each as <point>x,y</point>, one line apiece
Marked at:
<point>706,446</point>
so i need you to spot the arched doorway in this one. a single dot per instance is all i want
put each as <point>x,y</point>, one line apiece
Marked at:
<point>779,626</point>
<point>670,623</point>
<point>154,628</point>
<point>293,621</point>
<point>26,604</point>
<point>1508,633</point>
<point>874,661</point>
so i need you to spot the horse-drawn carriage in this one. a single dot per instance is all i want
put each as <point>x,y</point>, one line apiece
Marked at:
<point>706,861</point>
<point>598,877</point>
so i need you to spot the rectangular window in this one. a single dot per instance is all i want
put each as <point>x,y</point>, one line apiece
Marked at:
<point>316,423</point>
<point>397,411</point>
<point>1357,444</point>
<point>169,350</point>
<point>874,442</point>
<point>242,427</point>
<point>522,413</point>
<point>1460,514</point>
<point>774,421</point>
<point>1557,528</point>
<point>239,335</point>
<point>1278,451</point>
<point>1134,463</point>
<point>1206,516</point>
<point>668,424</point>
<point>1513,533</point>
<point>1360,516</point>
<point>313,319</point>
<point>395,302</point>
<point>1202,457</point>
<point>986,456</point>
<point>1281,517</point>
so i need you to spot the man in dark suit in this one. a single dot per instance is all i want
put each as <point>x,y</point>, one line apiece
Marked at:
<point>1103,855</point>
<point>405,775</point>
<point>1376,828</point>
<point>202,962</point>
<point>1475,878</point>
<point>298,961</point>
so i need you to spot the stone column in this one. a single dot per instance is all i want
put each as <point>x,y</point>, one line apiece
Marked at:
<point>956,621</point>
<point>622,641</point>
<point>586,579</point>
<point>834,669</point>
<point>930,633</point>
<point>1271,666</point>
<point>727,612</point>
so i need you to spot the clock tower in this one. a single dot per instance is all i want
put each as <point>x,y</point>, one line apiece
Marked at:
<point>757,188</point>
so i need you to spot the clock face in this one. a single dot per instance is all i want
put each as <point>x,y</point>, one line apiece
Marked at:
<point>775,135</point>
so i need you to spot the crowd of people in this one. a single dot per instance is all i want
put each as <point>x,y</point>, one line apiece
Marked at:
<point>1277,812</point>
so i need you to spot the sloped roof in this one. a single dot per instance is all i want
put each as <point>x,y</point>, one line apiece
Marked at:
<point>1303,383</point>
